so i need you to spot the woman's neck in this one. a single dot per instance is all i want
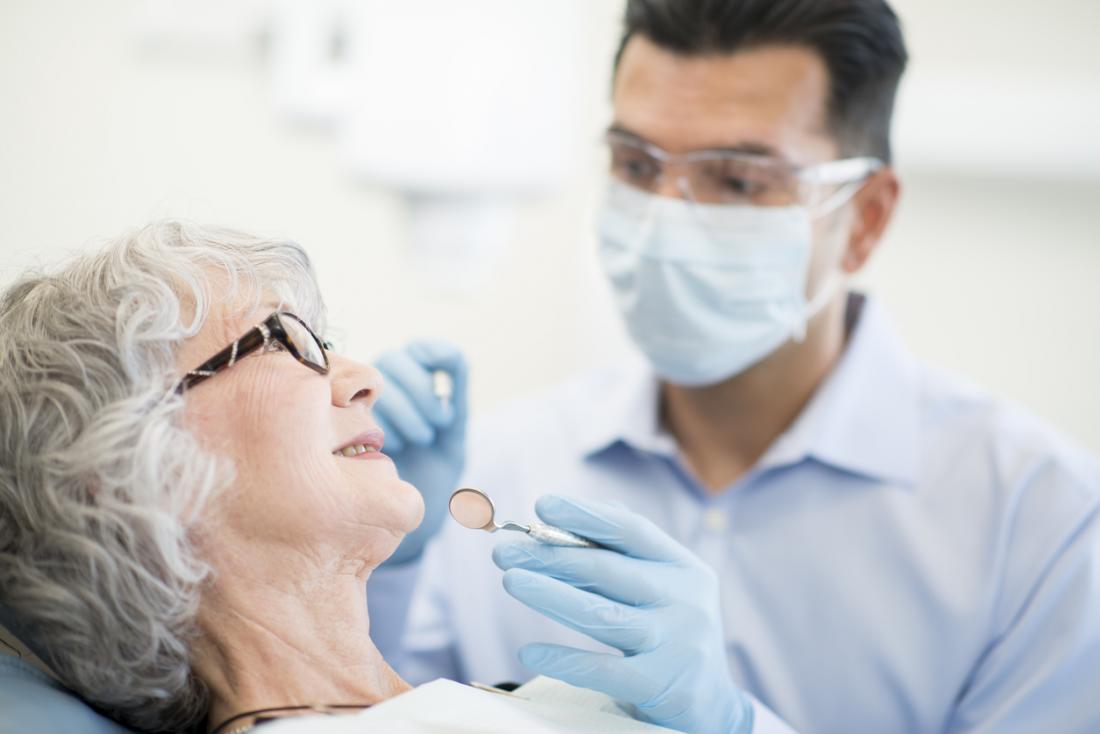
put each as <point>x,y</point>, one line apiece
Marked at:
<point>283,643</point>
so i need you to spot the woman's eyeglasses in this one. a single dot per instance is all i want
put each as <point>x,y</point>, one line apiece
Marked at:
<point>281,328</point>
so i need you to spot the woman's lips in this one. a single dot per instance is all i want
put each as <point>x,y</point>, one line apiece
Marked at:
<point>365,446</point>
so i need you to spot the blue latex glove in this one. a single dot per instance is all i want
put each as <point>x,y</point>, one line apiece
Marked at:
<point>646,595</point>
<point>426,440</point>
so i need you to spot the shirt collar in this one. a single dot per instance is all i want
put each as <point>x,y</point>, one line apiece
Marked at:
<point>863,419</point>
<point>628,414</point>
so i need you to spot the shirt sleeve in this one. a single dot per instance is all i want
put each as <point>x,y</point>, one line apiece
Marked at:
<point>765,721</point>
<point>1042,671</point>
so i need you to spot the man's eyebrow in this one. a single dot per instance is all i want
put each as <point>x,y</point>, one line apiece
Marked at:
<point>749,148</point>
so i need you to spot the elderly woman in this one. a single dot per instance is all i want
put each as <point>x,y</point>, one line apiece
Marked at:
<point>192,489</point>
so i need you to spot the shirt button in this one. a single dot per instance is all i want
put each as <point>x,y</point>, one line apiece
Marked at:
<point>715,520</point>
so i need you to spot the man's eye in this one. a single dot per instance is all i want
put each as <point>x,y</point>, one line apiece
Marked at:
<point>742,186</point>
<point>635,168</point>
<point>640,169</point>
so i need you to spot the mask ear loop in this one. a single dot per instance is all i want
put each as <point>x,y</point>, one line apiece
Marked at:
<point>824,294</point>
<point>835,280</point>
<point>799,323</point>
<point>839,198</point>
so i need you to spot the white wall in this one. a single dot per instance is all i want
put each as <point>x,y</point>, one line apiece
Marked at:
<point>989,272</point>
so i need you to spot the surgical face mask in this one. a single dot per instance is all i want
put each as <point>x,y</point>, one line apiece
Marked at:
<point>708,290</point>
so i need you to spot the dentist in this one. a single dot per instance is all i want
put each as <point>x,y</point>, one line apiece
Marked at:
<point>823,533</point>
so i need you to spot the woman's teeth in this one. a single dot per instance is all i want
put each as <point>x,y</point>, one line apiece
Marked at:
<point>355,450</point>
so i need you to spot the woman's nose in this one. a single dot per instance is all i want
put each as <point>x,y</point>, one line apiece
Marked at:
<point>353,381</point>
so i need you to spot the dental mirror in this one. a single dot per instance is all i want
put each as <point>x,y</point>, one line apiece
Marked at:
<point>472,508</point>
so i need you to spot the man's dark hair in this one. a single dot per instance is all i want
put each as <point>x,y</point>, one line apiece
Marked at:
<point>860,42</point>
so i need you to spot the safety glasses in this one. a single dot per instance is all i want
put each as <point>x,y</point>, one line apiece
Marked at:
<point>730,177</point>
<point>279,330</point>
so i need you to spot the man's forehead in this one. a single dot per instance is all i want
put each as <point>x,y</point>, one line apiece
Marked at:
<point>773,97</point>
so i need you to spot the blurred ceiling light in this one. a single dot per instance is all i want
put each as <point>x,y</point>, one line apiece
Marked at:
<point>464,108</point>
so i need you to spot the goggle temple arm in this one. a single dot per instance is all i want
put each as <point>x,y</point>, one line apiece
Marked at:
<point>851,172</point>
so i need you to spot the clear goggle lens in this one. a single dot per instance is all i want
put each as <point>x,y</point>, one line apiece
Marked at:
<point>721,177</point>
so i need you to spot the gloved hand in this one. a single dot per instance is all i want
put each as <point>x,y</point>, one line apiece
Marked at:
<point>426,440</point>
<point>648,596</point>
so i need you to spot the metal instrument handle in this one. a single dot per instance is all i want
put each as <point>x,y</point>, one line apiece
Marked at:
<point>551,535</point>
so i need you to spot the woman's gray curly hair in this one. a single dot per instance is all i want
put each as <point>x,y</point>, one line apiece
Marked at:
<point>100,483</point>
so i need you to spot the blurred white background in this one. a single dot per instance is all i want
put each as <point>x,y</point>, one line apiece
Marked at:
<point>113,113</point>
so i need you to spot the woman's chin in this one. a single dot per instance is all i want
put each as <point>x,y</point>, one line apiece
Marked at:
<point>413,505</point>
<point>396,506</point>
<point>384,515</point>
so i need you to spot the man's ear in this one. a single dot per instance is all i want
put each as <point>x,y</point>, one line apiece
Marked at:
<point>874,208</point>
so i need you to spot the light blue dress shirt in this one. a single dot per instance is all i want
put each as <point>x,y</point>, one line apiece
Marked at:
<point>910,556</point>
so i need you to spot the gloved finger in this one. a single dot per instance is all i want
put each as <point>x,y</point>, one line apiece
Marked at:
<point>610,574</point>
<point>627,628</point>
<point>437,354</point>
<point>404,373</point>
<point>612,526</point>
<point>612,674</point>
<point>398,411</point>
<point>394,443</point>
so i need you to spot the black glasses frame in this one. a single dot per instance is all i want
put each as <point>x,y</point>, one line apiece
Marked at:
<point>260,336</point>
